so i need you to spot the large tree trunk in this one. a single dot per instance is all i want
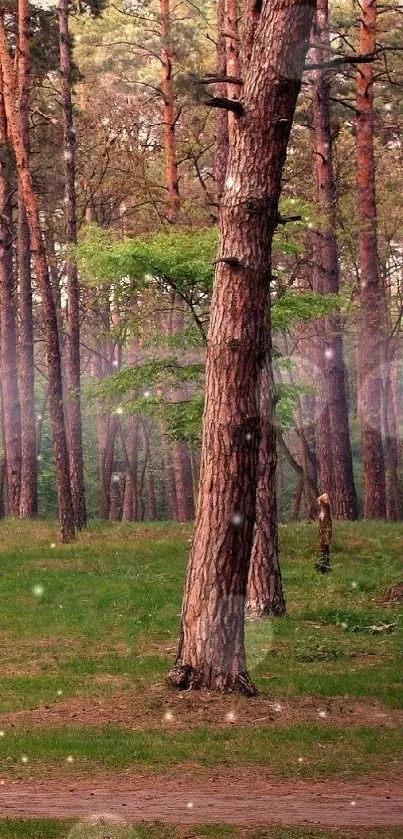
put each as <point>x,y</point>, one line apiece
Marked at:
<point>169,116</point>
<point>265,590</point>
<point>74,424</point>
<point>8,337</point>
<point>29,470</point>
<point>66,517</point>
<point>333,438</point>
<point>372,299</point>
<point>212,652</point>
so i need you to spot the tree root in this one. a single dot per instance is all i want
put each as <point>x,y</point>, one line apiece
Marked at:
<point>185,677</point>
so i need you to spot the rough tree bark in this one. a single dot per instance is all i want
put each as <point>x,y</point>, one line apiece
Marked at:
<point>74,423</point>
<point>66,517</point>
<point>372,303</point>
<point>8,334</point>
<point>26,368</point>
<point>333,434</point>
<point>265,593</point>
<point>265,589</point>
<point>211,652</point>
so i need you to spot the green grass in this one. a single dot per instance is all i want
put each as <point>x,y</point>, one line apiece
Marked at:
<point>111,602</point>
<point>303,750</point>
<point>106,616</point>
<point>52,829</point>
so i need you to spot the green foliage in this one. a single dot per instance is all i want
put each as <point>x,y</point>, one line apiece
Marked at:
<point>288,399</point>
<point>180,259</point>
<point>166,373</point>
<point>184,420</point>
<point>294,306</point>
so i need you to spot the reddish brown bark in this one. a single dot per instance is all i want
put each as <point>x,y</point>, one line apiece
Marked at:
<point>265,590</point>
<point>74,424</point>
<point>26,369</point>
<point>211,652</point>
<point>372,302</point>
<point>8,336</point>
<point>333,434</point>
<point>66,518</point>
<point>169,115</point>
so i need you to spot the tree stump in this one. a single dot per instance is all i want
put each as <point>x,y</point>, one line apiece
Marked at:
<point>325,533</point>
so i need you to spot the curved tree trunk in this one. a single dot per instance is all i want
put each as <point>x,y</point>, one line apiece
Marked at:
<point>372,302</point>
<point>212,651</point>
<point>66,517</point>
<point>74,423</point>
<point>29,471</point>
<point>333,437</point>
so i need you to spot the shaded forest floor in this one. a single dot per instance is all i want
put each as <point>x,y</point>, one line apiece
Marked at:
<point>87,634</point>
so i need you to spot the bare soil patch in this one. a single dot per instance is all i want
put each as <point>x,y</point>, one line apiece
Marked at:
<point>225,798</point>
<point>162,708</point>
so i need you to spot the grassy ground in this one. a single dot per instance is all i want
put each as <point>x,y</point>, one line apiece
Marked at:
<point>70,830</point>
<point>95,624</point>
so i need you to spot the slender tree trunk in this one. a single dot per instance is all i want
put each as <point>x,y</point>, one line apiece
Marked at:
<point>3,465</point>
<point>394,499</point>
<point>66,517</point>
<point>222,146</point>
<point>8,336</point>
<point>334,449</point>
<point>151,508</point>
<point>74,424</point>
<point>130,501</point>
<point>183,481</point>
<point>233,66</point>
<point>170,485</point>
<point>372,302</point>
<point>265,590</point>
<point>212,652</point>
<point>29,466</point>
<point>169,116</point>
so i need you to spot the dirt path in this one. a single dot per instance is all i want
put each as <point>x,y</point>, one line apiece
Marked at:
<point>179,800</point>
